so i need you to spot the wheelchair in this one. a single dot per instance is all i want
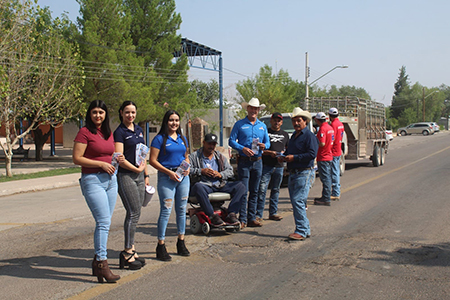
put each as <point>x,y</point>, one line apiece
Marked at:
<point>200,222</point>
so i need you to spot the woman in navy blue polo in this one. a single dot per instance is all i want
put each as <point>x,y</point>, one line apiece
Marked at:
<point>131,179</point>
<point>167,152</point>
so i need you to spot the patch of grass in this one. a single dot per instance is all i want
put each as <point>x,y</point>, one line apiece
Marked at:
<point>41,174</point>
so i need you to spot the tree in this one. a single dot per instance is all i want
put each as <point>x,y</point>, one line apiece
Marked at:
<point>399,101</point>
<point>127,49</point>
<point>277,91</point>
<point>108,54</point>
<point>154,26</point>
<point>40,79</point>
<point>207,93</point>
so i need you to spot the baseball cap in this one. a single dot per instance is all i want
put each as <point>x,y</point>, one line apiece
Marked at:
<point>333,111</point>
<point>277,115</point>
<point>210,138</point>
<point>320,116</point>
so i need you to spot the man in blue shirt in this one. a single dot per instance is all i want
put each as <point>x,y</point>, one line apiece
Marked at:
<point>300,155</point>
<point>250,137</point>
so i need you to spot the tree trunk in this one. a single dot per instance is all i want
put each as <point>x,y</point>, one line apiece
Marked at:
<point>39,141</point>
<point>8,164</point>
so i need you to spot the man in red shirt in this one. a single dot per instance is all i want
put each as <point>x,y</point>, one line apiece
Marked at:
<point>336,150</point>
<point>325,135</point>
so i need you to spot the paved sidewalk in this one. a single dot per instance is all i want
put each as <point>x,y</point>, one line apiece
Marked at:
<point>62,159</point>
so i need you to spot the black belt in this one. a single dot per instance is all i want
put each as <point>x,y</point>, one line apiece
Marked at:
<point>296,170</point>
<point>250,158</point>
<point>172,169</point>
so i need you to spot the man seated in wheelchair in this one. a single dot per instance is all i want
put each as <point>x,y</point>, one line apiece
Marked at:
<point>210,172</point>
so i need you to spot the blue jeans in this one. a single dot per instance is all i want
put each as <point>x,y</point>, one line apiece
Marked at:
<point>250,174</point>
<point>325,176</point>
<point>236,189</point>
<point>168,190</point>
<point>274,176</point>
<point>100,192</point>
<point>299,185</point>
<point>335,177</point>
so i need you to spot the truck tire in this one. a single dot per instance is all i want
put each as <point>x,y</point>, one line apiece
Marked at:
<point>382,155</point>
<point>403,133</point>
<point>425,132</point>
<point>342,165</point>
<point>376,156</point>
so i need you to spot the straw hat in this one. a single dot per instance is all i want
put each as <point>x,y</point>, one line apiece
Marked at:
<point>253,102</point>
<point>298,112</point>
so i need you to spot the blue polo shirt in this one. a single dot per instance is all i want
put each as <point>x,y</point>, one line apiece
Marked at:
<point>304,147</point>
<point>175,151</point>
<point>244,132</point>
<point>129,139</point>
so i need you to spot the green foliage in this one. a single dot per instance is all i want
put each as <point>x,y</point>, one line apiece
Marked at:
<point>127,49</point>
<point>343,91</point>
<point>277,91</point>
<point>207,93</point>
<point>400,100</point>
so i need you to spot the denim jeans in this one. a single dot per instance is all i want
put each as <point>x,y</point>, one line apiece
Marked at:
<point>250,174</point>
<point>325,176</point>
<point>236,189</point>
<point>335,177</point>
<point>100,192</point>
<point>274,176</point>
<point>168,190</point>
<point>299,184</point>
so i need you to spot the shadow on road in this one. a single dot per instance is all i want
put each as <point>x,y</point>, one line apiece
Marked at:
<point>420,255</point>
<point>53,267</point>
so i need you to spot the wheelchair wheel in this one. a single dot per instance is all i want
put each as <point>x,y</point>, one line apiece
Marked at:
<point>195,225</point>
<point>205,228</point>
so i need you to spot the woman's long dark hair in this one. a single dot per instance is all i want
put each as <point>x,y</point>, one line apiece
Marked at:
<point>122,107</point>
<point>164,131</point>
<point>106,130</point>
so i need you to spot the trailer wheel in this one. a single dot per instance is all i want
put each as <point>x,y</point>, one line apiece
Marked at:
<point>382,155</point>
<point>376,156</point>
<point>342,164</point>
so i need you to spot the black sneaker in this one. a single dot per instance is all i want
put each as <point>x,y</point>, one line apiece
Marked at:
<point>216,220</point>
<point>231,218</point>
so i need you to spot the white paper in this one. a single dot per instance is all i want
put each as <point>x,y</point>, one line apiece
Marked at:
<point>141,153</point>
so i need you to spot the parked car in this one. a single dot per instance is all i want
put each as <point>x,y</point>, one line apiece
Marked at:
<point>389,135</point>
<point>424,128</point>
<point>436,127</point>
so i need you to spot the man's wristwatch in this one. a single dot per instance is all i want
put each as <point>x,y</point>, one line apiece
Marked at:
<point>146,176</point>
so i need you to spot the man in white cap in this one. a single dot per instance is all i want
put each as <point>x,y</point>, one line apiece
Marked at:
<point>336,150</point>
<point>325,135</point>
<point>249,136</point>
<point>300,155</point>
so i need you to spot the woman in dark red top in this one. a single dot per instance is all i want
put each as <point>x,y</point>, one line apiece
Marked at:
<point>93,150</point>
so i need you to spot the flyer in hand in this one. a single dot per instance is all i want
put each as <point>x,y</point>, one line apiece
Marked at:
<point>115,161</point>
<point>183,167</point>
<point>255,147</point>
<point>141,153</point>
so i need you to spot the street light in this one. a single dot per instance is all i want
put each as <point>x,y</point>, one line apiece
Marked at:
<point>320,77</point>
<point>423,103</point>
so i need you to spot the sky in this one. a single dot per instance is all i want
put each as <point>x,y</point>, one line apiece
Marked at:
<point>374,38</point>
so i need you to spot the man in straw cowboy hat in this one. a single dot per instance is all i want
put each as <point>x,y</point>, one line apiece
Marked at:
<point>249,137</point>
<point>301,152</point>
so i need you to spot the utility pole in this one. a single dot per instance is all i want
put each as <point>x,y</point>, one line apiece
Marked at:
<point>306,81</point>
<point>423,104</point>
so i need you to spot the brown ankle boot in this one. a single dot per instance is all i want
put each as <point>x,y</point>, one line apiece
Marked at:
<point>94,268</point>
<point>103,271</point>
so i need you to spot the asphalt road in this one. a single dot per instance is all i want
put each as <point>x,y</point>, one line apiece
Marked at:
<point>386,239</point>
